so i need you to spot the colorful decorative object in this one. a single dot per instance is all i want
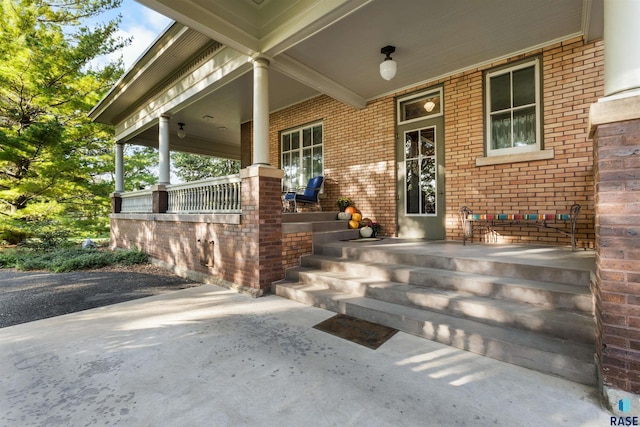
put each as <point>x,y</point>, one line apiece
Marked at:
<point>354,224</point>
<point>356,217</point>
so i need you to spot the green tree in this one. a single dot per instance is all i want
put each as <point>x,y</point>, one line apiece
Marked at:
<point>192,167</point>
<point>54,162</point>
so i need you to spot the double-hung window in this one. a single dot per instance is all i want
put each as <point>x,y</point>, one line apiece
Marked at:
<point>301,155</point>
<point>513,113</point>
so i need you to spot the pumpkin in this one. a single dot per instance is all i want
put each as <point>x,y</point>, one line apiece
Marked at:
<point>344,215</point>
<point>354,224</point>
<point>350,209</point>
<point>366,232</point>
<point>356,217</point>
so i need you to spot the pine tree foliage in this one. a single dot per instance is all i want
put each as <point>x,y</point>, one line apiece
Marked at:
<point>54,162</point>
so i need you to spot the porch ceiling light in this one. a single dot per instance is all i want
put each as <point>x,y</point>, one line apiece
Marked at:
<point>388,67</point>
<point>181,132</point>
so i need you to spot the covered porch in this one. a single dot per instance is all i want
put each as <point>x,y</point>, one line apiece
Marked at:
<point>239,77</point>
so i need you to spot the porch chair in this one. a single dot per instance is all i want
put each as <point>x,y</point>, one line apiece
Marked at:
<point>310,194</point>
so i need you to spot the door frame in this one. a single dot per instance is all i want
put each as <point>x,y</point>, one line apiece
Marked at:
<point>409,118</point>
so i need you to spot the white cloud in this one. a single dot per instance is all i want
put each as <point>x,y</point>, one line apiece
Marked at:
<point>142,25</point>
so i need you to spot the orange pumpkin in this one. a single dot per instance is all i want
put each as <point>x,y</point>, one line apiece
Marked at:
<point>356,217</point>
<point>350,209</point>
<point>354,224</point>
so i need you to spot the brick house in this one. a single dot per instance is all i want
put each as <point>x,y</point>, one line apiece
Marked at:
<point>525,115</point>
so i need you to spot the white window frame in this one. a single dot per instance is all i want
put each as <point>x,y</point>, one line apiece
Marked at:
<point>538,109</point>
<point>300,151</point>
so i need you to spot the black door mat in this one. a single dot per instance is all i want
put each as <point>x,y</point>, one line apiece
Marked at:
<point>368,334</point>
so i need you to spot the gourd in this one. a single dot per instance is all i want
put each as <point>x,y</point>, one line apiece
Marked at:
<point>354,224</point>
<point>356,217</point>
<point>344,215</point>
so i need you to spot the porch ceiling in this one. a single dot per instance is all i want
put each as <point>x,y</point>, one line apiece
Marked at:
<point>333,47</point>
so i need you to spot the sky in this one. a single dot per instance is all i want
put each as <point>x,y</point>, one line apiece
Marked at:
<point>140,23</point>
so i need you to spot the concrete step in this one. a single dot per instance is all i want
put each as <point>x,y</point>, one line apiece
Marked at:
<point>537,293</point>
<point>551,322</point>
<point>554,356</point>
<point>388,255</point>
<point>309,217</point>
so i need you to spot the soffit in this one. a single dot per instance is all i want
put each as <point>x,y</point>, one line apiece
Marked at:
<point>162,60</point>
<point>333,46</point>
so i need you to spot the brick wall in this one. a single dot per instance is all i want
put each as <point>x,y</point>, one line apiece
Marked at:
<point>359,151</point>
<point>359,156</point>
<point>180,244</point>
<point>572,74</point>
<point>295,245</point>
<point>617,290</point>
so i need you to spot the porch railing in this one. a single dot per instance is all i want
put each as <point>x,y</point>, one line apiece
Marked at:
<point>137,202</point>
<point>212,195</point>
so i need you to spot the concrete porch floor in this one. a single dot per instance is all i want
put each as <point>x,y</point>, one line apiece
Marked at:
<point>208,356</point>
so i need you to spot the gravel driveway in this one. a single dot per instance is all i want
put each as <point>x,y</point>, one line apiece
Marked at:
<point>29,296</point>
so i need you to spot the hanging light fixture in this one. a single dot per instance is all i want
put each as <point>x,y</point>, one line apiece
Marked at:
<point>181,132</point>
<point>388,67</point>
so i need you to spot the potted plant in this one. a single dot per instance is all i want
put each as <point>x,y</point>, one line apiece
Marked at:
<point>343,203</point>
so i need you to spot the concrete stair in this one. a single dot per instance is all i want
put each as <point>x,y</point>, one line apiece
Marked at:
<point>539,317</point>
<point>313,221</point>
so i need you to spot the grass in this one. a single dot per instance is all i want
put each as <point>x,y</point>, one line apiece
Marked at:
<point>65,259</point>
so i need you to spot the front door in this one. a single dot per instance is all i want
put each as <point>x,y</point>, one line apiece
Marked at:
<point>420,168</point>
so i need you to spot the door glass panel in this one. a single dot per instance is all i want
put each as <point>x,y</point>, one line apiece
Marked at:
<point>428,185</point>
<point>423,106</point>
<point>420,173</point>
<point>411,145</point>
<point>412,187</point>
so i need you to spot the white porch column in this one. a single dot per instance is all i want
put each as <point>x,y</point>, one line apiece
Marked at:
<point>163,148</point>
<point>260,111</point>
<point>119,167</point>
<point>621,41</point>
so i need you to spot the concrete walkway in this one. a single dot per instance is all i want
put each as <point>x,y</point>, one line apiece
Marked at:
<point>206,356</point>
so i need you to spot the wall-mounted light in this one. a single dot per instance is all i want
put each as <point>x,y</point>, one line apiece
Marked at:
<point>429,105</point>
<point>181,132</point>
<point>388,67</point>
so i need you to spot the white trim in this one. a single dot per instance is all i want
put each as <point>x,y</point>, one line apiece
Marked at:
<point>515,158</point>
<point>492,152</point>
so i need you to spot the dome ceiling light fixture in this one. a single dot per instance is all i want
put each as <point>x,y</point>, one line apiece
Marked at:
<point>181,132</point>
<point>388,67</point>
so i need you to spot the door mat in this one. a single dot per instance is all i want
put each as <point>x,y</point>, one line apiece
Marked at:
<point>368,334</point>
<point>363,239</point>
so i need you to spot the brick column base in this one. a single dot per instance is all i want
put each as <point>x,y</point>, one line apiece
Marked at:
<point>261,230</point>
<point>116,203</point>
<point>615,127</point>
<point>160,199</point>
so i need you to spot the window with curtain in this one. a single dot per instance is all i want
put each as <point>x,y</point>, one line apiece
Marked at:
<point>513,109</point>
<point>301,155</point>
